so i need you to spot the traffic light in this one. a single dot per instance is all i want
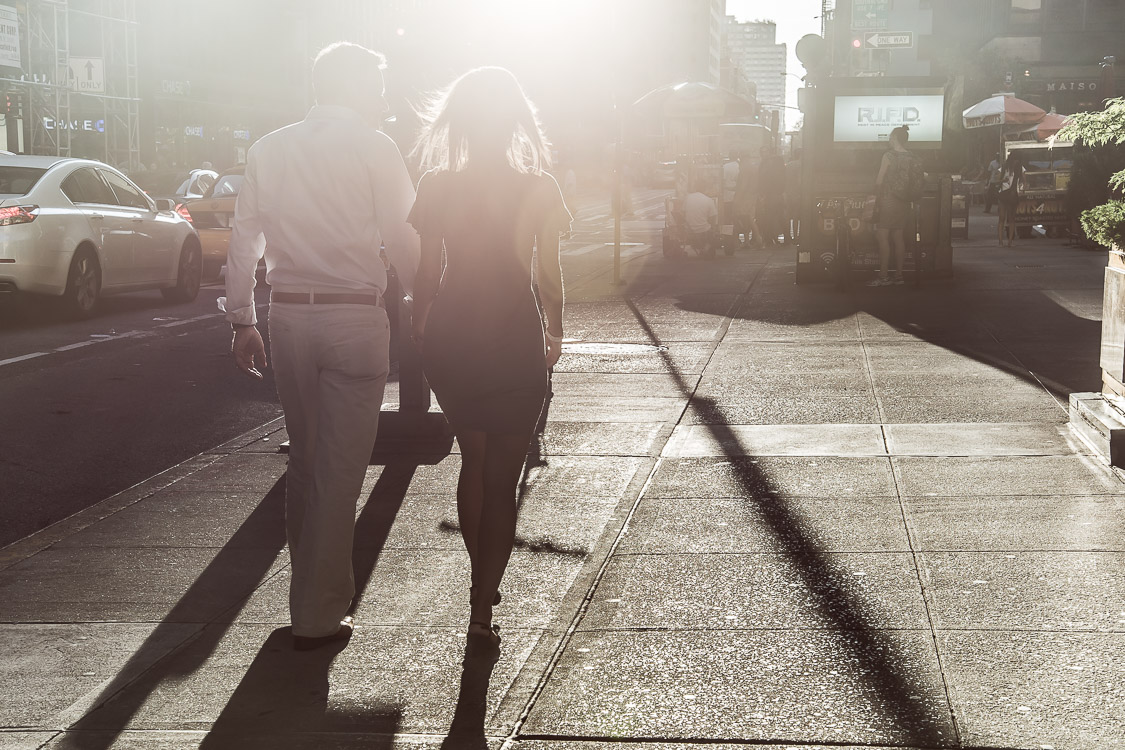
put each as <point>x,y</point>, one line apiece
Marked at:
<point>857,56</point>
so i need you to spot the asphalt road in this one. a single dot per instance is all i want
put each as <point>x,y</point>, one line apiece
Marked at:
<point>91,408</point>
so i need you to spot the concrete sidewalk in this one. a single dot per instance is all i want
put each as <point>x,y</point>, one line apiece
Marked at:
<point>760,514</point>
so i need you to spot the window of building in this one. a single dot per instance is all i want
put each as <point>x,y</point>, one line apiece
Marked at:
<point>1105,15</point>
<point>1026,16</point>
<point>84,186</point>
<point>1065,15</point>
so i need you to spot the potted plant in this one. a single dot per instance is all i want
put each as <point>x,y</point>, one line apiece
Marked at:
<point>1100,417</point>
<point>1105,222</point>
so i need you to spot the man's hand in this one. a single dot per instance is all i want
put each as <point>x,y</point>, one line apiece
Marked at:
<point>554,351</point>
<point>249,350</point>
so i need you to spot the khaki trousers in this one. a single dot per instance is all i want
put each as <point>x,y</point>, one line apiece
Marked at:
<point>330,364</point>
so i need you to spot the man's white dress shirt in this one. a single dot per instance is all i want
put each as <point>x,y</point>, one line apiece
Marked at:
<point>318,197</point>
<point>730,180</point>
<point>700,212</point>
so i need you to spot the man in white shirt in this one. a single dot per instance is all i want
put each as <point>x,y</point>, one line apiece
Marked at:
<point>317,198</point>
<point>730,181</point>
<point>701,217</point>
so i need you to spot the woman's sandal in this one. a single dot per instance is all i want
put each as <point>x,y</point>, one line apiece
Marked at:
<point>483,641</point>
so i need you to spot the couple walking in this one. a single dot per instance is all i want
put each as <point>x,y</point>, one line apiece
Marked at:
<point>318,198</point>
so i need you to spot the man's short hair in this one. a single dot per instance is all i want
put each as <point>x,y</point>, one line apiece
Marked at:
<point>342,67</point>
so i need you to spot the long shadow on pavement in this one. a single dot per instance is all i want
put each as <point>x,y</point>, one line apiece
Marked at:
<point>881,658</point>
<point>466,731</point>
<point>122,699</point>
<point>282,691</point>
<point>284,694</point>
<point>1016,340</point>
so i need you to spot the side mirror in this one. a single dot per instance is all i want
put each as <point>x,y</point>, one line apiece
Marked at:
<point>165,204</point>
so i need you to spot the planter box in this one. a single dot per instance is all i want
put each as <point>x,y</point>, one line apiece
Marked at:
<point>1113,324</point>
<point>1099,418</point>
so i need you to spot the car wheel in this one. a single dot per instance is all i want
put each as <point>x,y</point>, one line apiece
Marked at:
<point>83,283</point>
<point>188,276</point>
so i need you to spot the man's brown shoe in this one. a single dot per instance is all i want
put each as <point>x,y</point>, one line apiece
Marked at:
<point>308,643</point>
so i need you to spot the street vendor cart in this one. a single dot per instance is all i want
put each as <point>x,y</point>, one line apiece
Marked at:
<point>689,115</point>
<point>1046,180</point>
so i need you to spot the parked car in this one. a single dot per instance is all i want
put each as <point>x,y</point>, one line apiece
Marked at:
<point>212,216</point>
<point>79,229</point>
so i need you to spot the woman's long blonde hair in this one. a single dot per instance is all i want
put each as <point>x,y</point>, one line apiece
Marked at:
<point>483,104</point>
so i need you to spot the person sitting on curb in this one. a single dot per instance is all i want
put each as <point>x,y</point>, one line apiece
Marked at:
<point>701,218</point>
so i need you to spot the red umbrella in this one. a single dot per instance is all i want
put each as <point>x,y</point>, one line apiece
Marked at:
<point>1049,125</point>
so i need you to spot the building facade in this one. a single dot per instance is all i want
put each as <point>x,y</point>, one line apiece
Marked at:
<point>69,75</point>
<point>1054,53</point>
<point>208,88</point>
<point>887,37</point>
<point>753,48</point>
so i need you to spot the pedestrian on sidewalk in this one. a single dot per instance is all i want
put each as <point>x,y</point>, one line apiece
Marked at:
<point>992,193</point>
<point>895,187</point>
<point>488,204</point>
<point>746,202</point>
<point>701,218</point>
<point>329,333</point>
<point>1009,199</point>
<point>793,197</point>
<point>730,185</point>
<point>771,195</point>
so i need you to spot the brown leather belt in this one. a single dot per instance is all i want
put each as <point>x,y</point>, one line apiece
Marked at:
<point>327,298</point>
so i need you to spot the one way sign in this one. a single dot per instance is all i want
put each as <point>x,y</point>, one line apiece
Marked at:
<point>888,39</point>
<point>87,75</point>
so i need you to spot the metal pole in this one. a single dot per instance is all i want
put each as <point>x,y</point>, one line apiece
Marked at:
<point>617,179</point>
<point>617,156</point>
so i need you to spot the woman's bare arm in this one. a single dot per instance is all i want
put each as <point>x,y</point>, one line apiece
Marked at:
<point>884,165</point>
<point>426,283</point>
<point>549,277</point>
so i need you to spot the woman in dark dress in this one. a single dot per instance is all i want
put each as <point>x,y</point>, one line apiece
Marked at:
<point>1009,198</point>
<point>894,210</point>
<point>488,207</point>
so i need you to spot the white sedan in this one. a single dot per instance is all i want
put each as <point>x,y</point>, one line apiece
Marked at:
<point>79,229</point>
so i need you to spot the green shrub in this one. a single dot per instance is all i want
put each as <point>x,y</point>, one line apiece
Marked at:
<point>1105,224</point>
<point>1099,180</point>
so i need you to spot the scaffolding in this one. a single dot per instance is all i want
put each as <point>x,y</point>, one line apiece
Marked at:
<point>40,88</point>
<point>50,115</point>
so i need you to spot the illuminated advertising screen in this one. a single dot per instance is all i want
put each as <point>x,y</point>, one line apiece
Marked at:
<point>869,118</point>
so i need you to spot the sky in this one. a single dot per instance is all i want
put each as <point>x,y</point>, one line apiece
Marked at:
<point>794,19</point>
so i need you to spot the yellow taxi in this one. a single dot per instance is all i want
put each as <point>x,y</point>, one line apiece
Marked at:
<point>212,216</point>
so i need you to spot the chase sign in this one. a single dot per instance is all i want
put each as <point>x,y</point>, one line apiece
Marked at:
<point>89,126</point>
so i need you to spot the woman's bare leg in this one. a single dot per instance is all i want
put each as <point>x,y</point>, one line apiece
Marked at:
<point>503,461</point>
<point>883,236</point>
<point>900,250</point>
<point>470,492</point>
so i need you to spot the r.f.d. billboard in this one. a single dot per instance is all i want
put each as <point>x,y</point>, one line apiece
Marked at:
<point>871,118</point>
